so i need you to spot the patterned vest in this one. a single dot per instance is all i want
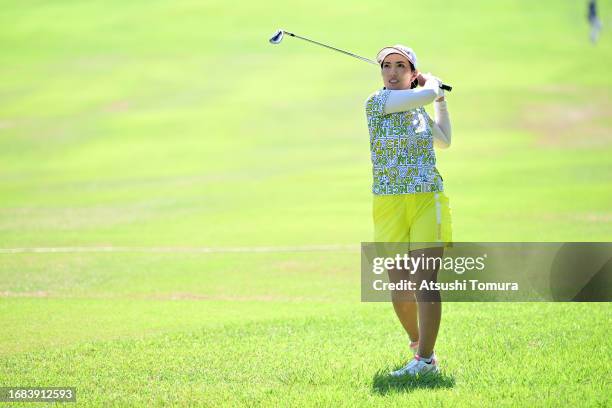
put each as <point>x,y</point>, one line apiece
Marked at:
<point>401,146</point>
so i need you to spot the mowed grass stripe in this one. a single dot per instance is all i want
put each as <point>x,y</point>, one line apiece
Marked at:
<point>341,357</point>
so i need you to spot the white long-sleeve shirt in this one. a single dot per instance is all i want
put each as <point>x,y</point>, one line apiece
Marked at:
<point>407,99</point>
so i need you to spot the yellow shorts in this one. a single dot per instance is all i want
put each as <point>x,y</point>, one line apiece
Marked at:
<point>418,217</point>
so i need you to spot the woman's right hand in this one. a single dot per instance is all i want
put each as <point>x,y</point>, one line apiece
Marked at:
<point>428,77</point>
<point>421,79</point>
<point>434,83</point>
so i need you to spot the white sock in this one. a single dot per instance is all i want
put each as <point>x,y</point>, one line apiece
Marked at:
<point>428,359</point>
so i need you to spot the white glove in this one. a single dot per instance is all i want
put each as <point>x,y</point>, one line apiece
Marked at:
<point>432,82</point>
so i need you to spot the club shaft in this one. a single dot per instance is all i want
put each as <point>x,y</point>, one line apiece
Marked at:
<point>443,86</point>
<point>332,48</point>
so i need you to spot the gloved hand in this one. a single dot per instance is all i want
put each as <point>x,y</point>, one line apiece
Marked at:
<point>432,82</point>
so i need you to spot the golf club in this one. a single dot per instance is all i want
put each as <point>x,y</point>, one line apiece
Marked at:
<point>279,34</point>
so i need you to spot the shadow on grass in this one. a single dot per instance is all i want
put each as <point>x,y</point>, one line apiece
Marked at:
<point>383,383</point>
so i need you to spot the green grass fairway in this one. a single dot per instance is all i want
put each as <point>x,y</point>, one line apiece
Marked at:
<point>168,129</point>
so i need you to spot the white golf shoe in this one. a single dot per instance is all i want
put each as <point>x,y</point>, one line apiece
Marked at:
<point>417,366</point>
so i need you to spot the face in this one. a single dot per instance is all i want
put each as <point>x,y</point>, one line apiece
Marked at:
<point>396,72</point>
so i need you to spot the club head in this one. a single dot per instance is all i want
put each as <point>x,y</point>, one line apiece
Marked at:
<point>277,37</point>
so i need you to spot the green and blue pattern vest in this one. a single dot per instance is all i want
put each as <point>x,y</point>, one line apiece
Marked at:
<point>401,146</point>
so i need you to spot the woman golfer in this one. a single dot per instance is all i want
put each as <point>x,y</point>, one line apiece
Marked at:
<point>409,203</point>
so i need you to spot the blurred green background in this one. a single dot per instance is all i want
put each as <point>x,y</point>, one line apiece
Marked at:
<point>177,125</point>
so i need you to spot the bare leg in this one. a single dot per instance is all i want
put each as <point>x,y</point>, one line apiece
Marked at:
<point>404,303</point>
<point>406,312</point>
<point>430,306</point>
<point>430,315</point>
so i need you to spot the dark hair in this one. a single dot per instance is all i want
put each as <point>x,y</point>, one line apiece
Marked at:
<point>414,83</point>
